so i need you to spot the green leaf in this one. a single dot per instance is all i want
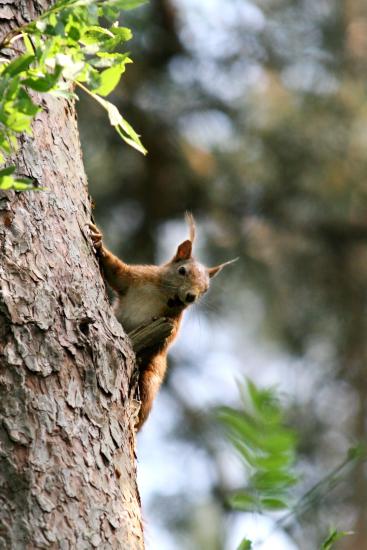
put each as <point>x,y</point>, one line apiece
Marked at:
<point>4,143</point>
<point>64,94</point>
<point>247,454</point>
<point>278,441</point>
<point>19,64</point>
<point>107,59</point>
<point>25,105</point>
<point>18,184</point>
<point>110,13</point>
<point>43,83</point>
<point>264,402</point>
<point>73,32</point>
<point>133,142</point>
<point>273,479</point>
<point>126,4</point>
<point>243,428</point>
<point>334,536</point>
<point>358,452</point>
<point>7,171</point>
<point>122,127</point>
<point>244,501</point>
<point>109,80</point>
<point>105,39</point>
<point>123,33</point>
<point>95,35</point>
<point>28,44</point>
<point>273,504</point>
<point>245,545</point>
<point>7,182</point>
<point>17,121</point>
<point>273,461</point>
<point>11,87</point>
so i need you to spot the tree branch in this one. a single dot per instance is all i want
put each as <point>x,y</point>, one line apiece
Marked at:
<point>151,334</point>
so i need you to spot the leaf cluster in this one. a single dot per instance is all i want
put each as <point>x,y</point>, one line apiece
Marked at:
<point>67,46</point>
<point>267,448</point>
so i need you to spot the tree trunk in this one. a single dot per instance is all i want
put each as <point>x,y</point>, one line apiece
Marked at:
<point>67,465</point>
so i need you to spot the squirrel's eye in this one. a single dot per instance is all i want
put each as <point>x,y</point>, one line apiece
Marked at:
<point>182,270</point>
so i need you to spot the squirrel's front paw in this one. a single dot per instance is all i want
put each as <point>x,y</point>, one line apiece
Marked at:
<point>96,236</point>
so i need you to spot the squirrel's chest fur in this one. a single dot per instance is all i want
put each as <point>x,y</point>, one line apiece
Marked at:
<point>140,304</point>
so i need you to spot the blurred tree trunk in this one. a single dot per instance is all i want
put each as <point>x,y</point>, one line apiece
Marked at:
<point>67,465</point>
<point>355,355</point>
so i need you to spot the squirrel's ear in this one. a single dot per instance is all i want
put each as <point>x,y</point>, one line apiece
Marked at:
<point>183,251</point>
<point>213,271</point>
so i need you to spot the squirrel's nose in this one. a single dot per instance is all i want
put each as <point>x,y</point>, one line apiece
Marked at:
<point>190,297</point>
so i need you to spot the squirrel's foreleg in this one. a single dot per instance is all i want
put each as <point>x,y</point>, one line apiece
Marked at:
<point>117,273</point>
<point>150,379</point>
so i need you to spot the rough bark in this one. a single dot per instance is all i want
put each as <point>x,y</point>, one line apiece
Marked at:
<point>67,465</point>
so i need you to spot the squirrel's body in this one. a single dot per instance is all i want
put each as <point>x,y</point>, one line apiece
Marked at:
<point>139,304</point>
<point>146,292</point>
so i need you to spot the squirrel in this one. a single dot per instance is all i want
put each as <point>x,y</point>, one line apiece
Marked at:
<point>147,292</point>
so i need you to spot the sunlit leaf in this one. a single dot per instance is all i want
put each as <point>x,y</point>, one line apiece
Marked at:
<point>123,33</point>
<point>107,59</point>
<point>28,44</point>
<point>4,141</point>
<point>94,35</point>
<point>126,4</point>
<point>18,184</point>
<point>17,121</point>
<point>109,80</point>
<point>123,128</point>
<point>64,94</point>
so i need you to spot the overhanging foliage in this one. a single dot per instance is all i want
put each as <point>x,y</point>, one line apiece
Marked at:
<point>73,44</point>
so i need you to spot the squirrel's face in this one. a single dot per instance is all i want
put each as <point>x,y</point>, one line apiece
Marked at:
<point>185,278</point>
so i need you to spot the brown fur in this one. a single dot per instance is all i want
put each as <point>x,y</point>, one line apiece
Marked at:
<point>145,292</point>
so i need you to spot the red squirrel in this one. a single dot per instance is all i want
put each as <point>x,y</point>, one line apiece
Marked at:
<point>147,292</point>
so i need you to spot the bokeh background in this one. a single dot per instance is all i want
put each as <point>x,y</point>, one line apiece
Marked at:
<point>254,114</point>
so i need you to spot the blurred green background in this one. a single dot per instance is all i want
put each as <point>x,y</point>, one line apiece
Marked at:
<point>254,114</point>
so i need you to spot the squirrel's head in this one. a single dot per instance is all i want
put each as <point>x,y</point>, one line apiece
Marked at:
<point>188,278</point>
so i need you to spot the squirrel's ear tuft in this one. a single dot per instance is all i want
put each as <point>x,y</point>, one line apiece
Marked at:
<point>213,271</point>
<point>191,223</point>
<point>183,251</point>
